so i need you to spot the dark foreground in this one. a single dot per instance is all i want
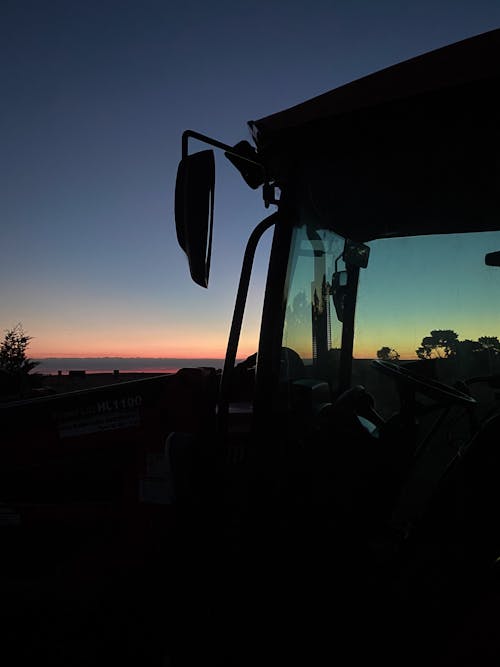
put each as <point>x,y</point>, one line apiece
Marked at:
<point>94,573</point>
<point>289,599</point>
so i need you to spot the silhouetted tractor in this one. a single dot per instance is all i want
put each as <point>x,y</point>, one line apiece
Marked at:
<point>361,493</point>
<point>334,498</point>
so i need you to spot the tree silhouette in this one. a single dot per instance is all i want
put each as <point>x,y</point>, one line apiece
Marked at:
<point>469,347</point>
<point>387,354</point>
<point>490,343</point>
<point>442,343</point>
<point>13,357</point>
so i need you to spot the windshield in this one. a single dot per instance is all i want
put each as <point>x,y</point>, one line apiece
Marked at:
<point>428,302</point>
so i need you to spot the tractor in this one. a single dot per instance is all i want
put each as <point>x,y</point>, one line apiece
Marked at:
<point>352,474</point>
<point>335,496</point>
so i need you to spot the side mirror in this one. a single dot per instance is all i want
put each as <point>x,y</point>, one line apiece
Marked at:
<point>492,258</point>
<point>194,211</point>
<point>339,289</point>
<point>356,254</point>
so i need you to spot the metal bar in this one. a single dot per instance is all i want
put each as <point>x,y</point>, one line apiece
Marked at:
<point>345,374</point>
<point>239,310</point>
<point>216,144</point>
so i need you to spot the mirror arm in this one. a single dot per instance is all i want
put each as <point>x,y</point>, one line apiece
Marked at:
<point>187,134</point>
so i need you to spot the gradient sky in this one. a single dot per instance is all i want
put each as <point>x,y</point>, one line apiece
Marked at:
<point>95,97</point>
<point>415,285</point>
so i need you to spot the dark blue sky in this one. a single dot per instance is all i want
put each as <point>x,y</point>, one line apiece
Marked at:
<point>95,97</point>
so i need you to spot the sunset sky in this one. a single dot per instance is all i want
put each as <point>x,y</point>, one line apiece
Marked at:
<point>94,99</point>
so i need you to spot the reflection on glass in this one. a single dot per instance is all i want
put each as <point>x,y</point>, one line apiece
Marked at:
<point>311,325</point>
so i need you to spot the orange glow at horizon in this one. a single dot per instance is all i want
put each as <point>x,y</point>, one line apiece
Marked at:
<point>208,350</point>
<point>137,337</point>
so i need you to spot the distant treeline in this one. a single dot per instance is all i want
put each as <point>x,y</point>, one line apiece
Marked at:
<point>130,364</point>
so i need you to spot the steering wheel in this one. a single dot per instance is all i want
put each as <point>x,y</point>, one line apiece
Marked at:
<point>443,393</point>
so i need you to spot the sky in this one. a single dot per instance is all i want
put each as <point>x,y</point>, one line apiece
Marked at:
<point>417,289</point>
<point>95,98</point>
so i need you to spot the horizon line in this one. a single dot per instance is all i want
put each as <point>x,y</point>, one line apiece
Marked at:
<point>107,356</point>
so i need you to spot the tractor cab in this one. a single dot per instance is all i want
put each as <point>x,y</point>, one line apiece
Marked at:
<point>369,416</point>
<point>384,257</point>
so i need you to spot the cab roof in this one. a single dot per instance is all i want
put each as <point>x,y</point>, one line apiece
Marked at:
<point>412,149</point>
<point>475,60</point>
